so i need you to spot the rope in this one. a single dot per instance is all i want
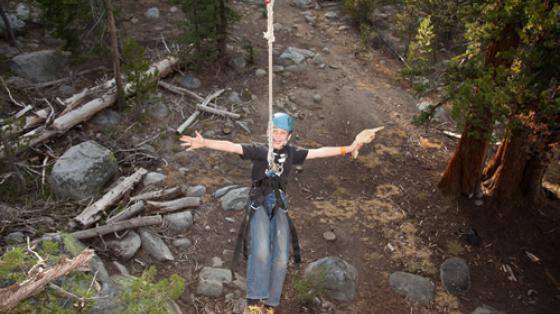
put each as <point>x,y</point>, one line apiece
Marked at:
<point>269,35</point>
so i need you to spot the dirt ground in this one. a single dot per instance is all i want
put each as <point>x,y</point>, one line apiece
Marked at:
<point>384,207</point>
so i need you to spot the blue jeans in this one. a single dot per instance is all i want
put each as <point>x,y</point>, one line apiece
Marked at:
<point>269,251</point>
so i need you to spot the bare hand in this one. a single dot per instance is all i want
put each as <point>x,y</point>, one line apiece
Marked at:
<point>191,143</point>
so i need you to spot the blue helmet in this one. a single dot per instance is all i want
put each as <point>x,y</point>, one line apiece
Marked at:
<point>283,121</point>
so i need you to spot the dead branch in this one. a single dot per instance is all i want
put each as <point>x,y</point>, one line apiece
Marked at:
<point>188,122</point>
<point>118,226</point>
<point>66,79</point>
<point>91,213</point>
<point>172,192</point>
<point>10,93</point>
<point>180,91</point>
<point>115,51</point>
<point>128,212</point>
<point>170,206</point>
<point>12,295</point>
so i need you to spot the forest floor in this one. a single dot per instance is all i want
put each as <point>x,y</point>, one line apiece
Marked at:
<point>384,207</point>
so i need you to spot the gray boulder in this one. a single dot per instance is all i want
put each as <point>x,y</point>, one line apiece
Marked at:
<point>179,222</point>
<point>16,23</point>
<point>223,190</point>
<point>293,55</point>
<point>235,199</point>
<point>125,248</point>
<point>153,178</point>
<point>340,277</point>
<point>417,288</point>
<point>15,238</point>
<point>455,276</point>
<point>182,243</point>
<point>82,171</point>
<point>196,191</point>
<point>190,82</point>
<point>40,66</point>
<point>155,246</point>
<point>152,13</point>
<point>302,4</point>
<point>107,118</point>
<point>211,281</point>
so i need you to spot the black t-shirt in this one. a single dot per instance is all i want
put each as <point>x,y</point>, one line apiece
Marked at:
<point>286,157</point>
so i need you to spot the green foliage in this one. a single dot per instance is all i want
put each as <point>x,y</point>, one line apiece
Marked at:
<point>148,297</point>
<point>12,264</point>
<point>310,286</point>
<point>80,23</point>
<point>204,30</point>
<point>142,85</point>
<point>249,49</point>
<point>454,248</point>
<point>359,10</point>
<point>420,51</point>
<point>367,36</point>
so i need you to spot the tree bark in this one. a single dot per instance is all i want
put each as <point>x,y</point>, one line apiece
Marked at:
<point>115,52</point>
<point>464,171</point>
<point>118,226</point>
<point>10,35</point>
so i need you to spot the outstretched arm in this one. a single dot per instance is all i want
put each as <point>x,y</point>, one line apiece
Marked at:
<point>324,152</point>
<point>198,141</point>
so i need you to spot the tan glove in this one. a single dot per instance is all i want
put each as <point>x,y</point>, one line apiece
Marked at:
<point>364,137</point>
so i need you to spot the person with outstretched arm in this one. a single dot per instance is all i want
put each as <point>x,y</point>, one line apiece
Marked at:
<point>270,229</point>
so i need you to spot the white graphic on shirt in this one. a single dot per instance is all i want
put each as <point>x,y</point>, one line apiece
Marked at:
<point>279,160</point>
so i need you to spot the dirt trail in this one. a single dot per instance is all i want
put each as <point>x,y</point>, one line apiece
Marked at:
<point>383,207</point>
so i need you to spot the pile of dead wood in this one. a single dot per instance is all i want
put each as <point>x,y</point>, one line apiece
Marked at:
<point>147,202</point>
<point>32,127</point>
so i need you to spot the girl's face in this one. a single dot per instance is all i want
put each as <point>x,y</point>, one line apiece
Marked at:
<point>280,138</point>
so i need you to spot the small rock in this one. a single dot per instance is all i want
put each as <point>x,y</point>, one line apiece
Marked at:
<point>234,98</point>
<point>107,118</point>
<point>260,72</point>
<point>317,98</point>
<point>455,275</point>
<point>125,248</point>
<point>343,27</point>
<point>152,13</point>
<point>179,222</point>
<point>173,9</point>
<point>121,268</point>
<point>134,20</point>
<point>196,191</point>
<point>239,62</point>
<point>222,191</point>
<point>329,236</point>
<point>182,244</point>
<point>153,178</point>
<point>22,11</point>
<point>190,82</point>
<point>230,219</point>
<point>331,15</point>
<point>486,309</point>
<point>66,90</point>
<point>235,199</point>
<point>217,262</point>
<point>415,287</point>
<point>155,246</point>
<point>159,111</point>
<point>15,238</point>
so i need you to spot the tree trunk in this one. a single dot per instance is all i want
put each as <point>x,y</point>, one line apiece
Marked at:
<point>9,31</point>
<point>463,172</point>
<point>516,172</point>
<point>115,53</point>
<point>222,28</point>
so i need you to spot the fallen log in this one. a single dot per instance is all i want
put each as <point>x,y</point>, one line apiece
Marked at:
<point>63,123</point>
<point>171,192</point>
<point>30,121</point>
<point>12,295</point>
<point>128,212</point>
<point>118,226</point>
<point>92,213</point>
<point>170,206</point>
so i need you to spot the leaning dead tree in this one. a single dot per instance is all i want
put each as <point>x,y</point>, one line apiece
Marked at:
<point>9,31</point>
<point>12,295</point>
